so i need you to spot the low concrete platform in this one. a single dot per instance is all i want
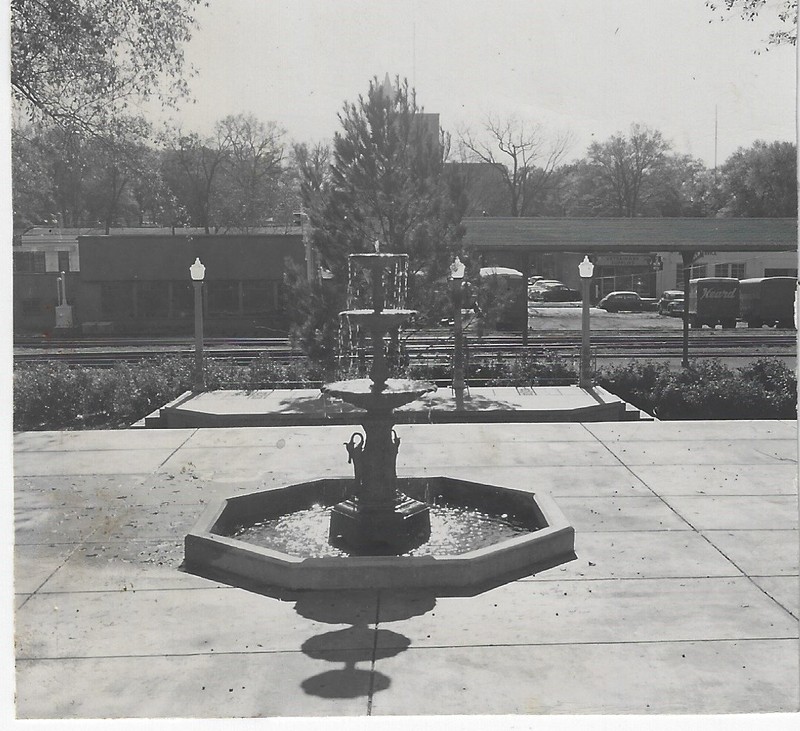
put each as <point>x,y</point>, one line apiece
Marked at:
<point>299,407</point>
<point>683,597</point>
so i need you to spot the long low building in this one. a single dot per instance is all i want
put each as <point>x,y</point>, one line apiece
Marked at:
<point>137,280</point>
<point>142,283</point>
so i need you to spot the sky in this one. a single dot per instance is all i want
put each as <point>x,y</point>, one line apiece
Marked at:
<point>588,67</point>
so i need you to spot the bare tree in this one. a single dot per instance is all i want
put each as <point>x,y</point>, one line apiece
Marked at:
<point>522,155</point>
<point>252,170</point>
<point>191,167</point>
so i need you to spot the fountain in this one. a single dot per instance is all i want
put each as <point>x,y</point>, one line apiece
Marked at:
<point>379,527</point>
<point>378,519</point>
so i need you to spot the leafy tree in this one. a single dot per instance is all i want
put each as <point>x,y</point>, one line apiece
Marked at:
<point>760,181</point>
<point>69,161</point>
<point>522,157</point>
<point>153,200</point>
<point>79,62</point>
<point>750,9</point>
<point>191,168</point>
<point>253,175</point>
<point>312,172</point>
<point>118,158</point>
<point>622,173</point>
<point>387,182</point>
<point>685,187</point>
<point>485,189</point>
<point>33,200</point>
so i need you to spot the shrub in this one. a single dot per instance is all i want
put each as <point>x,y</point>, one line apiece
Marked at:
<point>766,389</point>
<point>56,396</point>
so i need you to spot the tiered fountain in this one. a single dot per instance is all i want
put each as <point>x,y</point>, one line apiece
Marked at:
<point>375,530</point>
<point>378,518</point>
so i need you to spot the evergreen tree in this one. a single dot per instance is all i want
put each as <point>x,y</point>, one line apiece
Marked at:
<point>387,182</point>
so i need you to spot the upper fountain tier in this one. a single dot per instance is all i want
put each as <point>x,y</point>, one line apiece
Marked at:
<point>363,393</point>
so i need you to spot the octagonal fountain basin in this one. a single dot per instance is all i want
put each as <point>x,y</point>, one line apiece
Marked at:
<point>396,393</point>
<point>481,535</point>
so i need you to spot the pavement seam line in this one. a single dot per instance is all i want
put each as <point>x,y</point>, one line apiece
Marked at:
<point>371,693</point>
<point>677,641</point>
<point>174,451</point>
<point>685,520</point>
<point>49,576</point>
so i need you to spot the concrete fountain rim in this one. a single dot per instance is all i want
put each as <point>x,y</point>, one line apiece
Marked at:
<point>220,556</point>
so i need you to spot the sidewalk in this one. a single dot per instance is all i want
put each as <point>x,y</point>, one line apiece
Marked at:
<point>683,598</point>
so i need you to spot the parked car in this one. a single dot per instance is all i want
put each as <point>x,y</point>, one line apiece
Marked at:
<point>550,290</point>
<point>674,307</point>
<point>667,297</point>
<point>713,301</point>
<point>621,302</point>
<point>539,285</point>
<point>767,301</point>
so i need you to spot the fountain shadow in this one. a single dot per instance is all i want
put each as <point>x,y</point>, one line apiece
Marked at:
<point>360,642</point>
<point>363,641</point>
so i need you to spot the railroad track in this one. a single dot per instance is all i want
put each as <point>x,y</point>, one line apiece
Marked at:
<point>428,346</point>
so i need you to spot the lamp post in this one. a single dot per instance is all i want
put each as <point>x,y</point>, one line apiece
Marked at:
<point>687,257</point>
<point>585,269</point>
<point>198,272</point>
<point>457,279</point>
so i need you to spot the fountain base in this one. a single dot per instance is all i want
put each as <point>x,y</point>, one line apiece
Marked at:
<point>361,530</point>
<point>212,550</point>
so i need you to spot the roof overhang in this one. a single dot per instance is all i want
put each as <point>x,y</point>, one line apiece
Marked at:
<point>638,235</point>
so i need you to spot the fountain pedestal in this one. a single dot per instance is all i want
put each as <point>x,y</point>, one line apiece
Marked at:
<point>377,519</point>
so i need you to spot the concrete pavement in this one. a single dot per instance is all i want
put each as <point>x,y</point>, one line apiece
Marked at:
<point>683,598</point>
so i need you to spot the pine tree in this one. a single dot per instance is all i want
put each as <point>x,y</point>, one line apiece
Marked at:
<point>387,182</point>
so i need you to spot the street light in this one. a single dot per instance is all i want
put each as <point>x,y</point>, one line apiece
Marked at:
<point>585,269</point>
<point>457,278</point>
<point>198,272</point>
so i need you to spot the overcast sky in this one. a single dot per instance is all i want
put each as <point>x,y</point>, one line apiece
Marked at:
<point>588,66</point>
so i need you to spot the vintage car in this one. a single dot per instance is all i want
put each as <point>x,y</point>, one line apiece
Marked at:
<point>674,307</point>
<point>622,302</point>
<point>669,295</point>
<point>551,290</point>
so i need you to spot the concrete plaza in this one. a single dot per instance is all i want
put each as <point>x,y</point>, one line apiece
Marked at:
<point>683,597</point>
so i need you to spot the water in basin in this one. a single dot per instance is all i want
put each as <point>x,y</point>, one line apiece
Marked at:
<point>454,530</point>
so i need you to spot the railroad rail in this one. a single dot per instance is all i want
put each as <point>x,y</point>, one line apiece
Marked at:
<point>428,346</point>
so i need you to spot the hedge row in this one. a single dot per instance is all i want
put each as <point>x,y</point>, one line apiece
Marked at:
<point>56,396</point>
<point>764,389</point>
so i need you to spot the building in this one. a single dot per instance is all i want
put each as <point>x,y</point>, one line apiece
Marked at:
<point>40,255</point>
<point>140,283</point>
<point>640,254</point>
<point>136,281</point>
